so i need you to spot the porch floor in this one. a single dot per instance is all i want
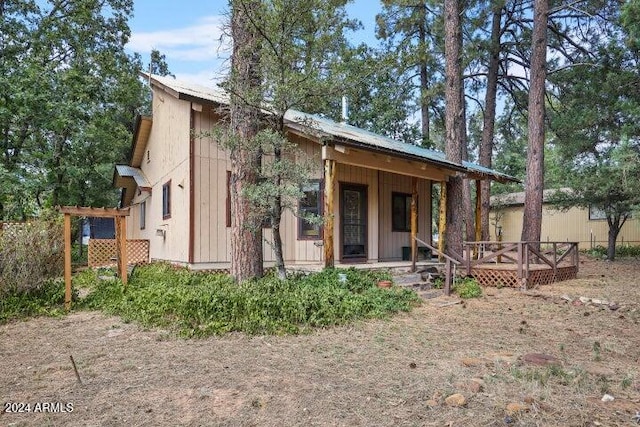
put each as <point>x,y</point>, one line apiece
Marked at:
<point>395,267</point>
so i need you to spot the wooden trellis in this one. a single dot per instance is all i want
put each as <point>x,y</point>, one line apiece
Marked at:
<point>120,216</point>
<point>102,252</point>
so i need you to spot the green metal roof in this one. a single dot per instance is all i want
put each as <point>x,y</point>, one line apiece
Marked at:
<point>345,133</point>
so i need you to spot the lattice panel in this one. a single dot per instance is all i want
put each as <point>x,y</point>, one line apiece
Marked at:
<point>489,277</point>
<point>102,252</point>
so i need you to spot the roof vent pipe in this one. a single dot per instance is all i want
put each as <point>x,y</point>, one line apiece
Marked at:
<point>345,109</point>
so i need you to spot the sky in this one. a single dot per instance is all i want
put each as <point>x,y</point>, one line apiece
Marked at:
<point>190,33</point>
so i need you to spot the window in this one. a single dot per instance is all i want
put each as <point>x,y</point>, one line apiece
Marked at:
<point>143,215</point>
<point>310,204</point>
<point>400,212</point>
<point>166,200</point>
<point>596,213</point>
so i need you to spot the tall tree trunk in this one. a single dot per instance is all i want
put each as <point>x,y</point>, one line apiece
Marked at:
<point>488,127</point>
<point>277,218</point>
<point>469,217</point>
<point>454,118</point>
<point>611,244</point>
<point>615,223</point>
<point>424,76</point>
<point>246,230</point>
<point>532,220</point>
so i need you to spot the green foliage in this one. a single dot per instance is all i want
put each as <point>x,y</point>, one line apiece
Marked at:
<point>200,304</point>
<point>467,288</point>
<point>625,251</point>
<point>69,95</point>
<point>30,253</point>
<point>46,299</point>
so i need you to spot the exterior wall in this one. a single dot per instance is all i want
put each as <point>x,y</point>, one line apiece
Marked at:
<point>212,246</point>
<point>168,148</point>
<point>573,225</point>
<point>168,159</point>
<point>391,242</point>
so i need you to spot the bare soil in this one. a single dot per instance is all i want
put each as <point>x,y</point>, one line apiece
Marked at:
<point>394,372</point>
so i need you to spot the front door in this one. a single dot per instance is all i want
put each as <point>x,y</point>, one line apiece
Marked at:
<point>353,222</point>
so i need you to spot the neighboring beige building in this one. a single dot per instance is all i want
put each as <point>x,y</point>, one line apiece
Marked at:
<point>588,227</point>
<point>177,185</point>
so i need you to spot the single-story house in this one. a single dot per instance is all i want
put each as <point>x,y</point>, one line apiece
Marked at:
<point>588,227</point>
<point>177,185</point>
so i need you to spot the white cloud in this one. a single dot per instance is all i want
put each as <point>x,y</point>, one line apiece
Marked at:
<point>203,41</point>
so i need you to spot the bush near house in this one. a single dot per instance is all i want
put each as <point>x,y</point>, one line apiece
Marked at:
<point>621,251</point>
<point>30,254</point>
<point>44,300</point>
<point>201,304</point>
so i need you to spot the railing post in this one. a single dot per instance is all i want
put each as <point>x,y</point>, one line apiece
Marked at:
<point>520,260</point>
<point>447,277</point>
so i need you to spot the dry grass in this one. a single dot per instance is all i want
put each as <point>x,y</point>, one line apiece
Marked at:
<point>394,372</point>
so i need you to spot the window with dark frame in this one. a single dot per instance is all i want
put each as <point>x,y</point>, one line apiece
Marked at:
<point>400,212</point>
<point>166,200</point>
<point>596,213</point>
<point>143,215</point>
<point>310,204</point>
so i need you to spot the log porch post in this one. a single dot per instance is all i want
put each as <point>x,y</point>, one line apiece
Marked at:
<point>67,262</point>
<point>414,222</point>
<point>476,248</point>
<point>329,187</point>
<point>442,223</point>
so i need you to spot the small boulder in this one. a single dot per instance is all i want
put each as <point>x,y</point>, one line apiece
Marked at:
<point>540,359</point>
<point>515,408</point>
<point>470,362</point>
<point>456,400</point>
<point>432,403</point>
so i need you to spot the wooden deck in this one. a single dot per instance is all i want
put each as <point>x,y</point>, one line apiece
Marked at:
<point>507,275</point>
<point>522,264</point>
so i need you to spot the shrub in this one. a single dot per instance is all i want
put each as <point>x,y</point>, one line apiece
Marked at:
<point>201,304</point>
<point>467,288</point>
<point>30,253</point>
<point>47,299</point>
<point>622,251</point>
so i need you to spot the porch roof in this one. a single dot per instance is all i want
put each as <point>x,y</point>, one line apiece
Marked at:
<point>326,129</point>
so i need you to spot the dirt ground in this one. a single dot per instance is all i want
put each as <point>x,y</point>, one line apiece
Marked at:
<point>375,373</point>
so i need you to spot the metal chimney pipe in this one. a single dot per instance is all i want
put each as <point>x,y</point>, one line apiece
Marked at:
<point>345,109</point>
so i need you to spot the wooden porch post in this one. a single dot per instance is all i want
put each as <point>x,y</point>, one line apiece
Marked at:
<point>329,186</point>
<point>442,225</point>
<point>67,262</point>
<point>414,222</point>
<point>476,248</point>
<point>121,247</point>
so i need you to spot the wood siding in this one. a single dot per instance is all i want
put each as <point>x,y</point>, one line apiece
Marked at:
<point>167,160</point>
<point>391,242</point>
<point>573,226</point>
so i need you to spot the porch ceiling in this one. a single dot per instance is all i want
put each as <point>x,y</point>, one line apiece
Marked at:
<point>385,162</point>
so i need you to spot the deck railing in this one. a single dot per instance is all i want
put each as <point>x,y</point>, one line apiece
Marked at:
<point>450,266</point>
<point>522,254</point>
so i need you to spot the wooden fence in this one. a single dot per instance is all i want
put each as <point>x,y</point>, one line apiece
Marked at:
<point>521,264</point>
<point>102,252</point>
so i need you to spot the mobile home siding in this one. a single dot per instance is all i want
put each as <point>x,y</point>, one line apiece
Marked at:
<point>573,225</point>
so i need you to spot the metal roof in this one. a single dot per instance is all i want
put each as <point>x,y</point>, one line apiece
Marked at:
<point>342,131</point>
<point>125,171</point>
